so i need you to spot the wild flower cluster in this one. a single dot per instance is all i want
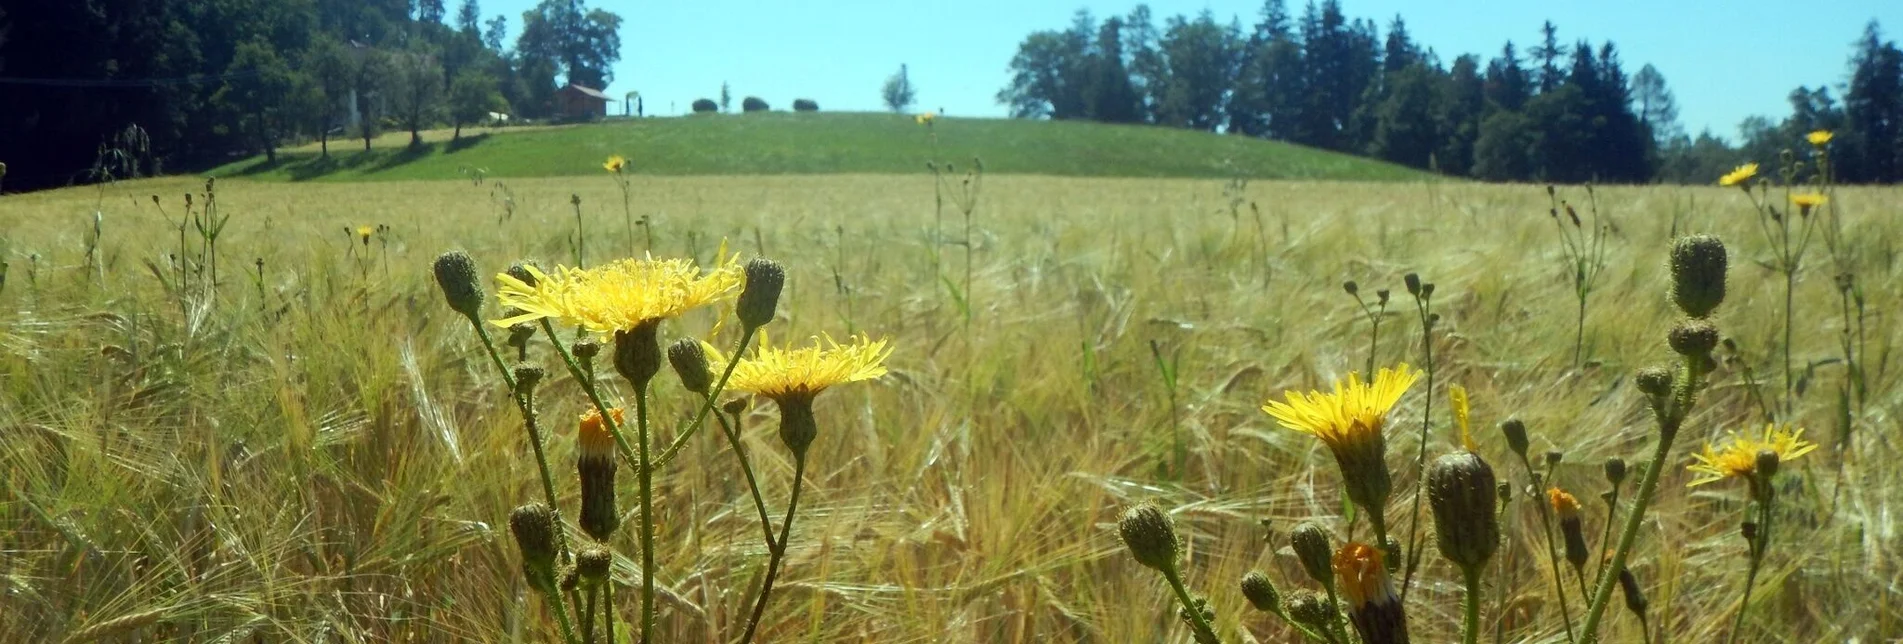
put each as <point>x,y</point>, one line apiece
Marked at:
<point>616,311</point>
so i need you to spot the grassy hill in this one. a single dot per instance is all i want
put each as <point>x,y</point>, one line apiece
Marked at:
<point>789,143</point>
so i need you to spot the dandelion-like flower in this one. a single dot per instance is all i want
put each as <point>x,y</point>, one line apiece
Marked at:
<point>1738,176</point>
<point>1738,455</point>
<point>363,233</point>
<point>792,376</point>
<point>619,296</point>
<point>927,118</point>
<point>1373,607</point>
<point>1819,138</point>
<point>615,164</point>
<point>1349,421</point>
<point>1806,201</point>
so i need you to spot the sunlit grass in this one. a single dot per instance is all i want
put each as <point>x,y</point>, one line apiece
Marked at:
<point>334,460</point>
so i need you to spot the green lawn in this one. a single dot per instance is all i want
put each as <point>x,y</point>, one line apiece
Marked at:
<point>789,143</point>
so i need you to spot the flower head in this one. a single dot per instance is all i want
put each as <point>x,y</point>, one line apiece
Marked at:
<point>927,118</point>
<point>1362,576</point>
<point>1806,201</point>
<point>1738,455</point>
<point>615,164</point>
<point>783,373</point>
<point>1565,505</point>
<point>618,296</point>
<point>1353,412</point>
<point>1739,176</point>
<point>593,435</point>
<point>1819,138</point>
<point>363,233</point>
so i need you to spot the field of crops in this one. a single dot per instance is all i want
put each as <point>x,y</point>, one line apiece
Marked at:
<point>284,433</point>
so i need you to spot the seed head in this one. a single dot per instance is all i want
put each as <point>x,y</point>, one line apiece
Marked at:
<point>1461,491</point>
<point>456,275</point>
<point>534,528</point>
<point>526,378</point>
<point>1261,592</point>
<point>1312,547</point>
<point>690,363</point>
<point>1698,274</point>
<point>1151,536</point>
<point>761,295</point>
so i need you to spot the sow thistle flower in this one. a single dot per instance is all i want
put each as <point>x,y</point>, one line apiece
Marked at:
<point>617,297</point>
<point>1349,421</point>
<point>1738,176</point>
<point>1373,607</point>
<point>1738,456</point>
<point>1819,138</point>
<point>596,466</point>
<point>926,118</point>
<point>793,376</point>
<point>615,164</point>
<point>1807,201</point>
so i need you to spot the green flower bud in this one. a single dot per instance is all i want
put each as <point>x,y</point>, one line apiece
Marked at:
<point>1655,381</point>
<point>1312,547</point>
<point>1516,435</point>
<point>1461,491</point>
<point>456,275</point>
<point>1261,592</point>
<point>638,353</point>
<point>1634,596</point>
<point>1615,471</point>
<point>797,427</point>
<point>1310,609</point>
<point>761,295</point>
<point>593,564</point>
<point>1151,536</point>
<point>534,528</point>
<point>690,363</point>
<point>1694,338</point>
<point>1698,274</point>
<point>526,378</point>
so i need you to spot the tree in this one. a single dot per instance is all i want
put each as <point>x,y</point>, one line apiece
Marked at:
<point>1658,111</point>
<point>1109,96</point>
<point>430,11</point>
<point>583,45</point>
<point>1405,130</point>
<point>331,70</point>
<point>898,92</point>
<point>472,96</point>
<point>726,98</point>
<point>754,104</point>
<point>1873,109</point>
<point>258,85</point>
<point>1044,83</point>
<point>1201,58</point>
<point>372,75</point>
<point>1504,151</point>
<point>1463,103</point>
<point>1507,85</point>
<point>494,32</point>
<point>1548,54</point>
<point>418,95</point>
<point>469,19</point>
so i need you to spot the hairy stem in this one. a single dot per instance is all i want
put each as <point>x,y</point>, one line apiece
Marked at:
<point>776,552</point>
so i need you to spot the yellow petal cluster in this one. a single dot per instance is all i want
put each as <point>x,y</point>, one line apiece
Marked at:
<point>1354,412</point>
<point>615,164</point>
<point>617,296</point>
<point>792,372</point>
<point>1819,138</point>
<point>1737,456</point>
<point>1742,174</point>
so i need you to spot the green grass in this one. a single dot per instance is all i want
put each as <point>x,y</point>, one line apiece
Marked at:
<point>789,143</point>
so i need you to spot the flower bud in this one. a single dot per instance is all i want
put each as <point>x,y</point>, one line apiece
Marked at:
<point>1461,491</point>
<point>638,354</point>
<point>1767,464</point>
<point>1655,381</point>
<point>534,528</point>
<point>1381,296</point>
<point>593,564</point>
<point>1261,592</point>
<point>761,295</point>
<point>1312,547</point>
<point>1693,338</point>
<point>1698,274</point>
<point>1365,584</point>
<point>585,349</point>
<point>456,275</point>
<point>690,363</point>
<point>1413,283</point>
<point>526,378</point>
<point>1566,507</point>
<point>520,271</point>
<point>1151,536</point>
<point>1615,471</point>
<point>1308,608</point>
<point>1351,287</point>
<point>1634,596</point>
<point>1516,435</point>
<point>797,426</point>
<point>1553,457</point>
<point>595,465</point>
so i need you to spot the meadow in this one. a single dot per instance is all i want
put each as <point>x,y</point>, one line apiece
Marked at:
<point>317,449</point>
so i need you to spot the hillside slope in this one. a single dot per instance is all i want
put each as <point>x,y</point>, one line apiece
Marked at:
<point>790,143</point>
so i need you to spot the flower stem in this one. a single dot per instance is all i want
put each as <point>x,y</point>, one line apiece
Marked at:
<point>776,552</point>
<point>1424,304</point>
<point>1470,633</point>
<point>753,485</point>
<point>594,394</point>
<point>608,609</point>
<point>1204,632</point>
<point>645,476</point>
<point>588,617</point>
<point>1759,546</point>
<point>1552,555</point>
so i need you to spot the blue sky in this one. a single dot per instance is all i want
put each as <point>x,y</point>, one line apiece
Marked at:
<point>1723,60</point>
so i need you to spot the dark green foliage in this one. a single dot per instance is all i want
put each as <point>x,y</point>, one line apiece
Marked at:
<point>754,104</point>
<point>472,96</point>
<point>805,105</point>
<point>705,106</point>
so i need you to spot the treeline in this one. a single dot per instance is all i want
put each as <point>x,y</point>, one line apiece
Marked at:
<point>206,79</point>
<point>1560,112</point>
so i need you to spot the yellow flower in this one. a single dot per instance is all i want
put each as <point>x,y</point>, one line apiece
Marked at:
<point>1739,176</point>
<point>1457,396</point>
<point>1349,422</point>
<point>1738,456</point>
<point>799,373</point>
<point>1353,413</point>
<point>363,232</point>
<point>1564,504</point>
<point>1808,200</point>
<point>594,437</point>
<point>618,296</point>
<point>615,164</point>
<point>926,119</point>
<point>1361,575</point>
<point>1819,138</point>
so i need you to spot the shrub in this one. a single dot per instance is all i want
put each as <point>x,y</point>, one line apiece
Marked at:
<point>706,106</point>
<point>754,104</point>
<point>805,105</point>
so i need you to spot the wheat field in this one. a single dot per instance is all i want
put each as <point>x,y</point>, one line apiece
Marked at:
<point>320,451</point>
